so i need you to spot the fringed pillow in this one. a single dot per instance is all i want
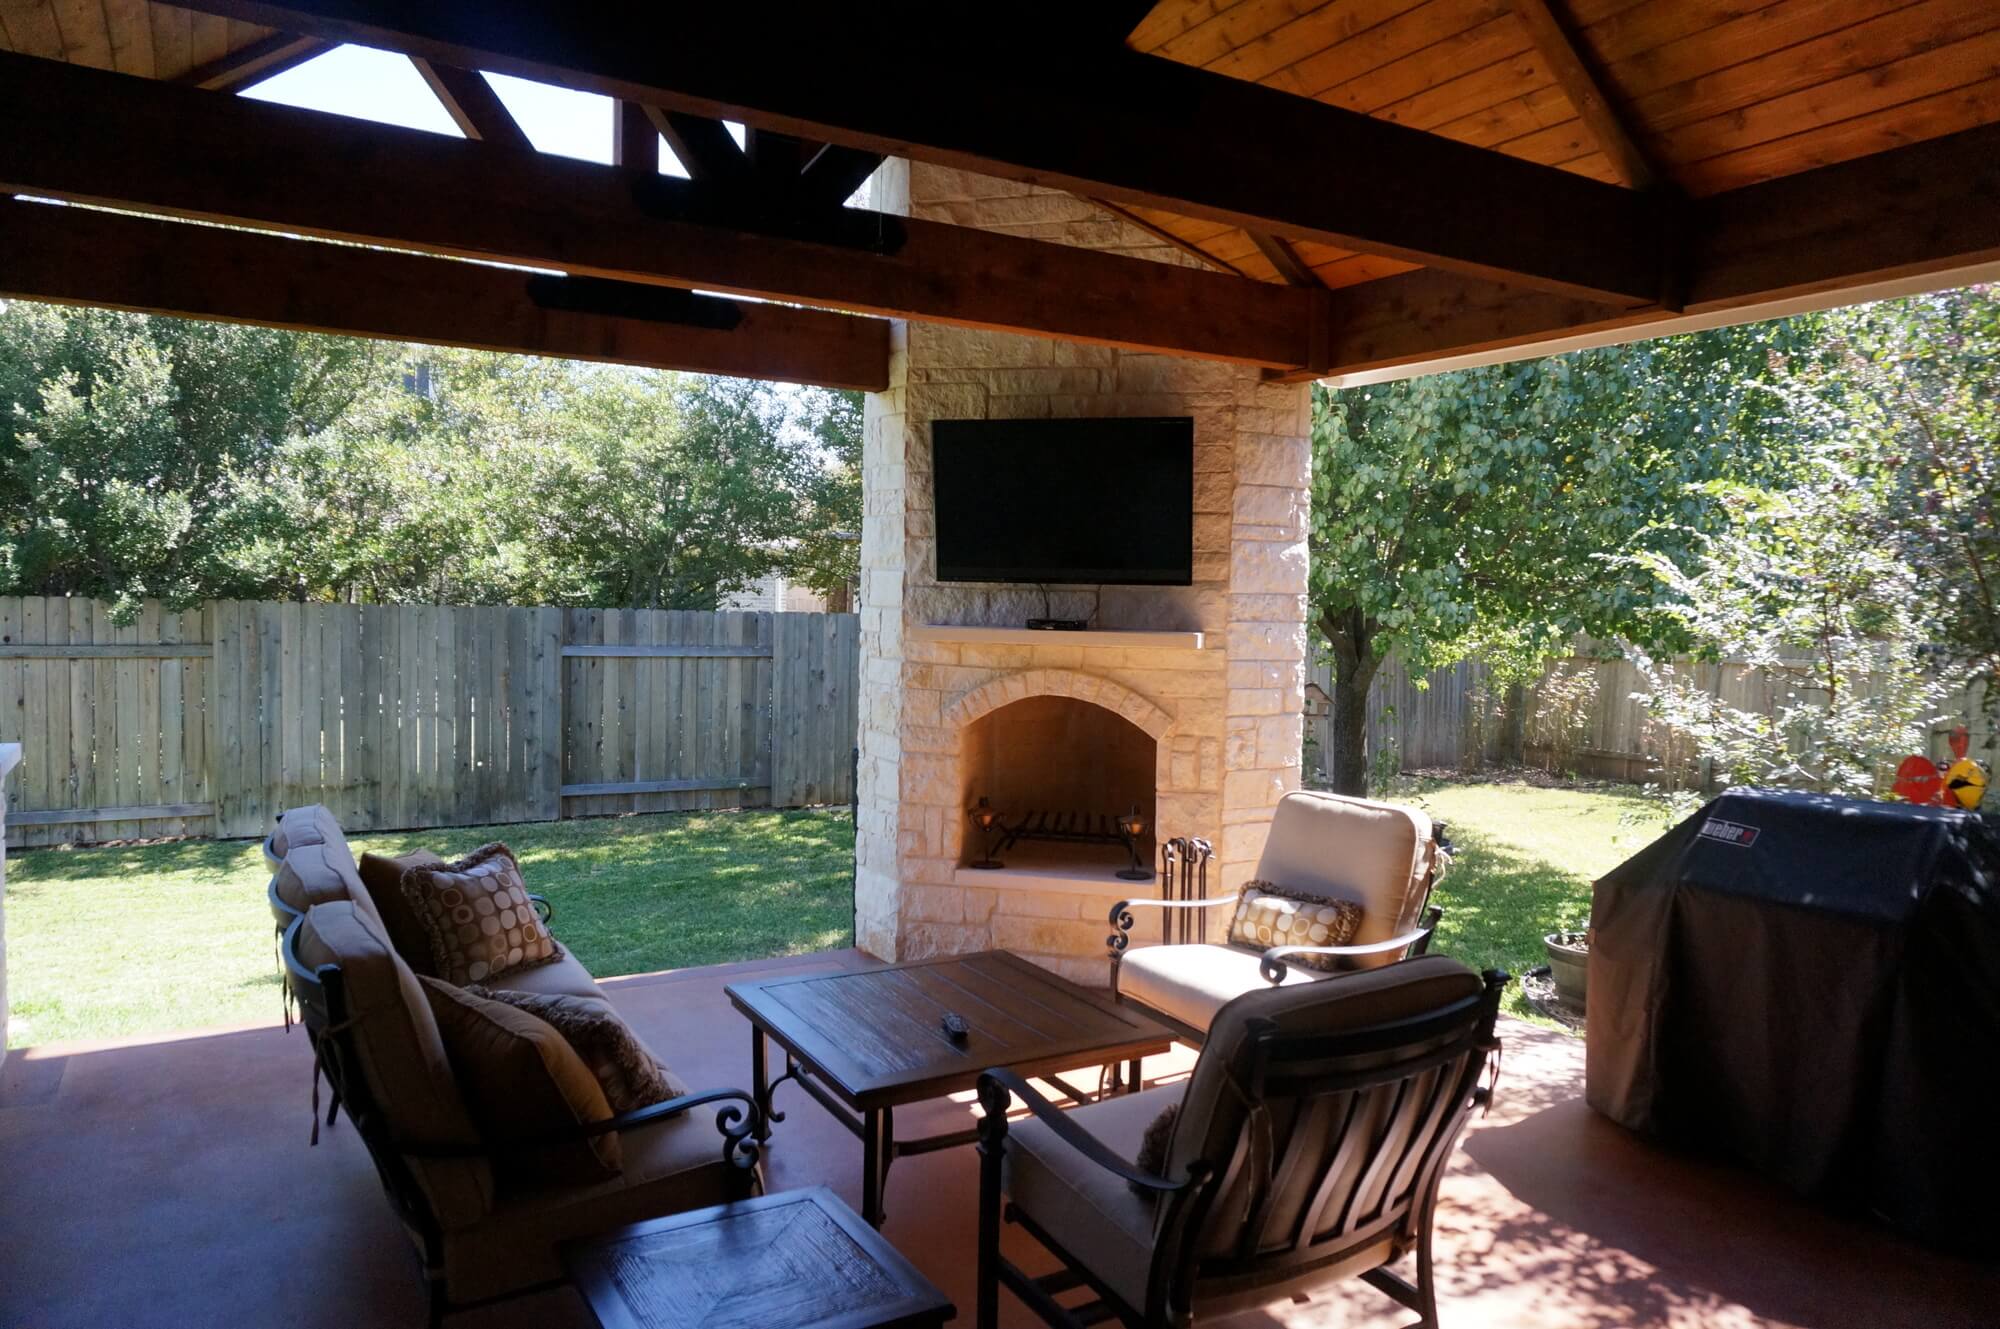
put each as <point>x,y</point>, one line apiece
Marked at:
<point>626,1069</point>
<point>478,915</point>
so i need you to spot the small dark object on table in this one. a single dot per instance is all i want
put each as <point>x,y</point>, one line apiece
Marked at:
<point>955,1027</point>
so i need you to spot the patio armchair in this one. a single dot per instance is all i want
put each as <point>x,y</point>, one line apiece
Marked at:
<point>1307,1147</point>
<point>480,1236</point>
<point>1382,856</point>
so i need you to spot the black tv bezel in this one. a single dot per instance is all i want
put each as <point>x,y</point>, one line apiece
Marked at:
<point>1030,577</point>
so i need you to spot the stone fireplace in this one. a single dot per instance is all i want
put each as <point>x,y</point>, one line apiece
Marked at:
<point>1183,703</point>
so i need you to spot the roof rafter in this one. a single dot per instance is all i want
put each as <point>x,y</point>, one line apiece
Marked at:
<point>473,105</point>
<point>264,58</point>
<point>1554,38</point>
<point>1160,134</point>
<point>92,136</point>
<point>85,256</point>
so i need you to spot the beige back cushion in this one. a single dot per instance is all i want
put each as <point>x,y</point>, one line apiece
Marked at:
<point>402,1056</point>
<point>315,865</point>
<point>1375,854</point>
<point>1213,1120</point>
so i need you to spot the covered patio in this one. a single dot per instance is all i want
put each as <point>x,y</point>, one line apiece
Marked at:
<point>169,1180</point>
<point>1189,209</point>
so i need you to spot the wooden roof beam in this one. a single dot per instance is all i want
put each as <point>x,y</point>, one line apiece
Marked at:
<point>264,58</point>
<point>473,105</point>
<point>1284,258</point>
<point>1556,41</point>
<point>1915,218</point>
<point>88,257</point>
<point>1099,121</point>
<point>92,136</point>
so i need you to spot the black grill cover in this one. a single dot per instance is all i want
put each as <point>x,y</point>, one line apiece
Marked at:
<point>1811,985</point>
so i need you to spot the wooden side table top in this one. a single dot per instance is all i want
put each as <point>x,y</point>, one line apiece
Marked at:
<point>875,1034</point>
<point>800,1259</point>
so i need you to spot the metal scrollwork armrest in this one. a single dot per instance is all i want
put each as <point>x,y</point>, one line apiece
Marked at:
<point>1272,965</point>
<point>737,1125</point>
<point>1121,915</point>
<point>540,904</point>
<point>995,1087</point>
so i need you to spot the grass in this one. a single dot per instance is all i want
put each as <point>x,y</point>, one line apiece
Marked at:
<point>1526,858</point>
<point>118,941</point>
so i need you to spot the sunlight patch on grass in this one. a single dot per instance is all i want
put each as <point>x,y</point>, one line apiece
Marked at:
<point>112,942</point>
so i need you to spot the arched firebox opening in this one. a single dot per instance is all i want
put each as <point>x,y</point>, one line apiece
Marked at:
<point>1059,772</point>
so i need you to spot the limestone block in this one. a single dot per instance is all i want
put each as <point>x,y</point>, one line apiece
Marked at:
<point>1271,505</point>
<point>928,779</point>
<point>1144,372</point>
<point>932,739</point>
<point>1085,971</point>
<point>1265,459</point>
<point>933,904</point>
<point>1267,608</point>
<point>1273,567</point>
<point>945,401</point>
<point>1213,532</point>
<point>1048,936</point>
<point>1244,842</point>
<point>1279,737</point>
<point>1184,772</point>
<point>1248,790</point>
<point>922,941</point>
<point>1239,751</point>
<point>1018,902</point>
<point>1214,491</point>
<point>1256,701</point>
<point>1267,641</point>
<point>978,903</point>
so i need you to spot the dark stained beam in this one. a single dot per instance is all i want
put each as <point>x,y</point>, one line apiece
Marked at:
<point>704,146</point>
<point>1284,258</point>
<point>1555,39</point>
<point>834,173</point>
<point>87,257</point>
<point>264,58</point>
<point>635,143</point>
<point>776,157</point>
<point>473,105</point>
<point>1921,217</point>
<point>1101,122</point>
<point>91,136</point>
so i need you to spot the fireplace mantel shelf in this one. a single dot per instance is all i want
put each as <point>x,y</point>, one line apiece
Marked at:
<point>1124,638</point>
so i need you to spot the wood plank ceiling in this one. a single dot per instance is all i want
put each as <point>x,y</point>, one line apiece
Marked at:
<point>1691,99</point>
<point>1719,93</point>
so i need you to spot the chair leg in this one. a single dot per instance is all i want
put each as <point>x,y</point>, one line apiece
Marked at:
<point>1427,1305</point>
<point>986,1313</point>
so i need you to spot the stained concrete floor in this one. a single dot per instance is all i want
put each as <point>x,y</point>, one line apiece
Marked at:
<point>169,1182</point>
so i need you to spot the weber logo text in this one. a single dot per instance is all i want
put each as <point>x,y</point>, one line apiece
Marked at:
<point>1729,832</point>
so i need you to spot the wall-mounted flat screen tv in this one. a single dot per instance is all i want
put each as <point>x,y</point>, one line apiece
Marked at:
<point>1072,501</point>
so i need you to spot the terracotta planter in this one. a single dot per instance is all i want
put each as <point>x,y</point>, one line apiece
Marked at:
<point>1569,964</point>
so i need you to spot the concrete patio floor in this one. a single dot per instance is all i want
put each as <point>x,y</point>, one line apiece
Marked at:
<point>168,1182</point>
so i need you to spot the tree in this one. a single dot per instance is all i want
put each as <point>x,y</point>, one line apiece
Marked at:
<point>1489,508</point>
<point>827,553</point>
<point>1838,623</point>
<point>125,439</point>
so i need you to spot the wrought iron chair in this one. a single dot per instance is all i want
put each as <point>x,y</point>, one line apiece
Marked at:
<point>374,1039</point>
<point>1308,1147</point>
<point>1383,856</point>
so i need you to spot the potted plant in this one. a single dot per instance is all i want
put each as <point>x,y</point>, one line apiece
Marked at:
<point>1569,963</point>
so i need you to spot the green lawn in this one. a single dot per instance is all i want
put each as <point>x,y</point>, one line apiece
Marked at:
<point>1526,858</point>
<point>103,943</point>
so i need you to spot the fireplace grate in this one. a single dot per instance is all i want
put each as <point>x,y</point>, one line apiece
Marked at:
<point>1064,827</point>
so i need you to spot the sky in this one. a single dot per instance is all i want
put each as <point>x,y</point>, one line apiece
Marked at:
<point>385,87</point>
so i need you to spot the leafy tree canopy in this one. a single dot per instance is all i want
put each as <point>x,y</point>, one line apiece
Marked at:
<point>155,457</point>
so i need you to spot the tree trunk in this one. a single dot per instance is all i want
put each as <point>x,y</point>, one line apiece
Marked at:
<point>1514,731</point>
<point>1354,666</point>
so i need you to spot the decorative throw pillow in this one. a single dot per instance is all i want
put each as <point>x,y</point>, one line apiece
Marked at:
<point>1153,1144</point>
<point>383,877</point>
<point>626,1069</point>
<point>477,914</point>
<point>1266,917</point>
<point>522,1080</point>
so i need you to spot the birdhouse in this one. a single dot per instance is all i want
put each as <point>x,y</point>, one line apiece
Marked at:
<point>1317,701</point>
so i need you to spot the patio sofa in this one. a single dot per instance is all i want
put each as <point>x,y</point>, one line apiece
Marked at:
<point>481,1231</point>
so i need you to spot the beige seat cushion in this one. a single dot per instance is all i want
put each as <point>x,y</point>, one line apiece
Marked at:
<point>565,976</point>
<point>669,1168</point>
<point>382,877</point>
<point>1097,1217</point>
<point>402,1055</point>
<point>1191,983</point>
<point>480,920</point>
<point>1332,847</point>
<point>521,1079</point>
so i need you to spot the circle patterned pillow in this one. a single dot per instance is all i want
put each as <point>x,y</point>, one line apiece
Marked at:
<point>1266,917</point>
<point>480,920</point>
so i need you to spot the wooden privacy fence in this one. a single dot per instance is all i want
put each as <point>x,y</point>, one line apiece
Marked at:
<point>210,721</point>
<point>1453,718</point>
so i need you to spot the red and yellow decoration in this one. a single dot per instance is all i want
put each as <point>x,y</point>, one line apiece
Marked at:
<point>1960,785</point>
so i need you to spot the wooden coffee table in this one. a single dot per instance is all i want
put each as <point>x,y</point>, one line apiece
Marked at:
<point>800,1259</point>
<point>867,1041</point>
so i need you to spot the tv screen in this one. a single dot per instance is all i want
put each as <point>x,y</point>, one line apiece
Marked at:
<point>1074,501</point>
